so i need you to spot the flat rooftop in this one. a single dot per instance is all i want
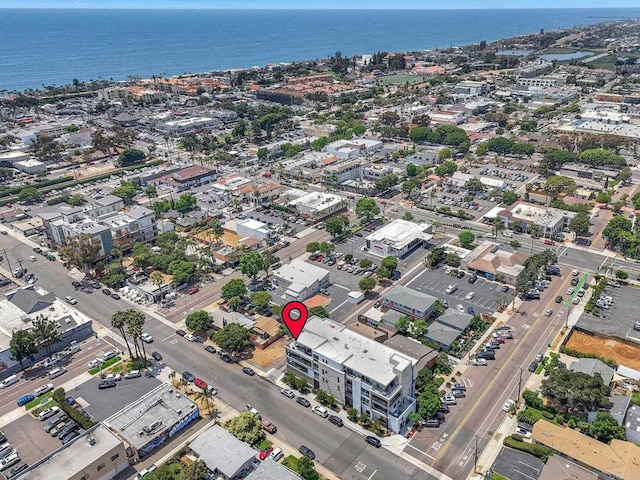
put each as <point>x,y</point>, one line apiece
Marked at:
<point>317,200</point>
<point>400,233</point>
<point>163,404</point>
<point>354,351</point>
<point>69,459</point>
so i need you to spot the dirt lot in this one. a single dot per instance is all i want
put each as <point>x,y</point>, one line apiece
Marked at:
<point>270,356</point>
<point>622,353</point>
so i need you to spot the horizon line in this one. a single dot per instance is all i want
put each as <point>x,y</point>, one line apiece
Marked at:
<point>76,7</point>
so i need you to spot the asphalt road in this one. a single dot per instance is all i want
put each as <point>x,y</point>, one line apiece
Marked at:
<point>451,447</point>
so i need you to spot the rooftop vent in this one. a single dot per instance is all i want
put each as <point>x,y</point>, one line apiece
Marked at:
<point>91,440</point>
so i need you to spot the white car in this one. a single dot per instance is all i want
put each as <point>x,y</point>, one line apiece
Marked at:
<point>570,290</point>
<point>133,374</point>
<point>523,433</point>
<point>32,258</point>
<point>94,363</point>
<point>470,295</point>
<point>548,312</point>
<point>507,405</point>
<point>287,393</point>
<point>114,376</point>
<point>478,362</point>
<point>50,362</point>
<point>460,308</point>
<point>48,413</point>
<point>43,389</point>
<point>190,337</point>
<point>8,461</point>
<point>145,337</point>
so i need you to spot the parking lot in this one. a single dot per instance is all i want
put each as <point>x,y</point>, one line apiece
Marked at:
<point>101,404</point>
<point>486,294</point>
<point>619,318</point>
<point>517,465</point>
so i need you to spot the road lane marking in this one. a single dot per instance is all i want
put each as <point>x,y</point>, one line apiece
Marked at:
<point>418,450</point>
<point>371,476</point>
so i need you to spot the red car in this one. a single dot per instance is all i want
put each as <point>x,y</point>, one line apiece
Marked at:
<point>198,382</point>
<point>265,453</point>
<point>193,290</point>
<point>499,339</point>
<point>319,259</point>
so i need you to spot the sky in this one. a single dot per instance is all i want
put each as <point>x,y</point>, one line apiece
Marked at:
<point>321,4</point>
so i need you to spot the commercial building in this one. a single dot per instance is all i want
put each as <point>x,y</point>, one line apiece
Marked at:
<point>409,302</point>
<point>618,460</point>
<point>20,307</point>
<point>192,176</point>
<point>153,420</point>
<point>398,238</point>
<point>341,171</point>
<point>359,372</point>
<point>491,260</point>
<point>188,125</point>
<point>250,228</point>
<point>225,455</point>
<point>301,279</point>
<point>551,221</point>
<point>346,149</point>
<point>97,454</point>
<point>318,205</point>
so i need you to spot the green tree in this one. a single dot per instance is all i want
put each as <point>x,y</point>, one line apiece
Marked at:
<point>428,402</point>
<point>411,187</point>
<point>474,185</point>
<point>185,203</point>
<point>558,184</point>
<point>580,224</point>
<point>326,247</point>
<point>412,170</point>
<point>515,244</point>
<point>367,284</point>
<point>419,329</point>
<point>119,320</point>
<point>29,194</point>
<point>198,321</point>
<point>452,259</point>
<point>390,262</point>
<point>233,337</point>
<point>181,271</point>
<point>151,191</point>
<point>605,428</point>
<point>246,427</point>
<point>260,300</point>
<point>445,169</point>
<point>251,263</point>
<point>365,263</point>
<point>437,255</point>
<point>126,191</point>
<point>605,197</point>
<point>195,471</point>
<point>82,251</point>
<point>307,469</point>
<point>466,239</point>
<point>22,345</point>
<point>616,229</point>
<point>500,145</point>
<point>319,311</point>
<point>407,216</point>
<point>367,208</point>
<point>570,392</point>
<point>312,247</point>
<point>131,156</point>
<point>403,325</point>
<point>336,225</point>
<point>509,197</point>
<point>233,288</point>
<point>45,332</point>
<point>76,200</point>
<point>445,153</point>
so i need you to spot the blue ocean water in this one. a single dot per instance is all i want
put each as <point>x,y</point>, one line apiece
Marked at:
<point>52,47</point>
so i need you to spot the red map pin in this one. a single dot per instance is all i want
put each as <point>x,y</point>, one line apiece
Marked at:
<point>295,315</point>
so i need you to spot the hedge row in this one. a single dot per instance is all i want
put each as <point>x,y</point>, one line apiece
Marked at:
<point>578,354</point>
<point>59,395</point>
<point>42,184</point>
<point>540,451</point>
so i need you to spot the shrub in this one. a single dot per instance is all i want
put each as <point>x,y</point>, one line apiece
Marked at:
<point>535,449</point>
<point>578,354</point>
<point>516,437</point>
<point>60,397</point>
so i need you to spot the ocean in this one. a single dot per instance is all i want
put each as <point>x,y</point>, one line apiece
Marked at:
<point>52,47</point>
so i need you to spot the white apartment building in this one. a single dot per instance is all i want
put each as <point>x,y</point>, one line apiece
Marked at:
<point>343,171</point>
<point>551,221</point>
<point>398,238</point>
<point>316,205</point>
<point>359,372</point>
<point>347,149</point>
<point>300,279</point>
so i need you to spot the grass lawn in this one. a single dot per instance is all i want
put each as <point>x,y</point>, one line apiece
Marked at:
<point>264,444</point>
<point>497,476</point>
<point>49,404</point>
<point>105,365</point>
<point>540,368</point>
<point>291,463</point>
<point>36,402</point>
<point>166,471</point>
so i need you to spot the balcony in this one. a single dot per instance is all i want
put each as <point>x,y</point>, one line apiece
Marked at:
<point>407,403</point>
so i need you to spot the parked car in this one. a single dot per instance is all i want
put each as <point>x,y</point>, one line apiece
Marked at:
<point>181,333</point>
<point>470,295</point>
<point>133,374</point>
<point>190,337</point>
<point>539,357</point>
<point>287,393</point>
<point>106,291</point>
<point>193,290</point>
<point>145,337</point>
<point>115,296</point>
<point>70,300</point>
<point>523,433</point>
<point>559,299</point>
<point>479,362</point>
<point>54,422</point>
<point>188,376</point>
<point>533,366</point>
<point>265,453</point>
<point>47,387</point>
<point>24,399</point>
<point>156,356</point>
<point>110,383</point>
<point>210,349</point>
<point>48,413</point>
<point>307,452</point>
<point>249,371</point>
<point>371,440</point>
<point>303,401</point>
<point>198,382</point>
<point>507,405</point>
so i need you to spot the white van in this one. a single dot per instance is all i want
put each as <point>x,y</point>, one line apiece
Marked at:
<point>9,381</point>
<point>56,372</point>
<point>276,455</point>
<point>320,410</point>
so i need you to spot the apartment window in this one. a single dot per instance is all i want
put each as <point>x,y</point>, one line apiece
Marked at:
<point>114,457</point>
<point>101,466</point>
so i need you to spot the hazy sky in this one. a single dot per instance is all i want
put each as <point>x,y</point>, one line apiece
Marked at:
<point>337,4</point>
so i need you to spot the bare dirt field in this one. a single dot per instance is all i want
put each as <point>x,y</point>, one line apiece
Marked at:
<point>622,353</point>
<point>270,356</point>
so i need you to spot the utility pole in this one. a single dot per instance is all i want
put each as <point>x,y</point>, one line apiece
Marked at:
<point>519,385</point>
<point>8,262</point>
<point>475,455</point>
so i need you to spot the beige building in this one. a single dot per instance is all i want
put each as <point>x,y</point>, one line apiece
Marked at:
<point>97,454</point>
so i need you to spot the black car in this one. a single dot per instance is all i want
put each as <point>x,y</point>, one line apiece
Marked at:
<point>504,289</point>
<point>181,333</point>
<point>473,278</point>
<point>37,249</point>
<point>107,383</point>
<point>458,393</point>
<point>248,371</point>
<point>574,281</point>
<point>559,299</point>
<point>115,296</point>
<point>67,430</point>
<point>533,366</point>
<point>303,401</point>
<point>106,291</point>
<point>3,438</point>
<point>440,416</point>
<point>75,283</point>
<point>336,420</point>
<point>373,441</point>
<point>156,356</point>
<point>198,339</point>
<point>70,436</point>
<point>460,274</point>
<point>431,422</point>
<point>210,349</point>
<point>307,452</point>
<point>190,377</point>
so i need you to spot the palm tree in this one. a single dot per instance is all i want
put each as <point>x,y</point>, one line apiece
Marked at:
<point>498,226</point>
<point>135,322</point>
<point>183,382</point>
<point>119,321</point>
<point>432,194</point>
<point>172,377</point>
<point>206,395</point>
<point>156,278</point>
